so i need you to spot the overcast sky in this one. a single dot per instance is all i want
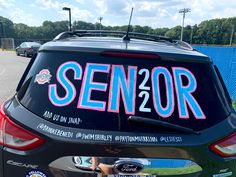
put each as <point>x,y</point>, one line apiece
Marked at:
<point>154,13</point>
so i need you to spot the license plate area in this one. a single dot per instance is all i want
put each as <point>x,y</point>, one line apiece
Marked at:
<point>126,167</point>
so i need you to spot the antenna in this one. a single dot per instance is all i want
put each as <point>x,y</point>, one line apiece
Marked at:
<point>126,37</point>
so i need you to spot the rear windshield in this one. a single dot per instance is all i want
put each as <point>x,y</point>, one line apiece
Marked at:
<point>93,91</point>
<point>33,44</point>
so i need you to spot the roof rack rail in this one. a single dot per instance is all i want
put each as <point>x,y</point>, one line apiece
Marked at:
<point>121,34</point>
<point>134,35</point>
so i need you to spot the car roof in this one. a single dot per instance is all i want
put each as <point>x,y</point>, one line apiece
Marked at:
<point>98,44</point>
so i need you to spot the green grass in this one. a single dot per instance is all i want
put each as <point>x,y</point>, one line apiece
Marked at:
<point>7,50</point>
<point>234,105</point>
<point>172,171</point>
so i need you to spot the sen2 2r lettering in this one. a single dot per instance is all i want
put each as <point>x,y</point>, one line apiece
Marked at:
<point>144,90</point>
<point>123,87</point>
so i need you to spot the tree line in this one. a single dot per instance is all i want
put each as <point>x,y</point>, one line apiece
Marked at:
<point>209,32</point>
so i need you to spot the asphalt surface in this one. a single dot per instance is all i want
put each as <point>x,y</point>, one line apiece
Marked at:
<point>11,70</point>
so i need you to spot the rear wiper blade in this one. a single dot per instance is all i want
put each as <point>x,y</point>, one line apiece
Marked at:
<point>157,123</point>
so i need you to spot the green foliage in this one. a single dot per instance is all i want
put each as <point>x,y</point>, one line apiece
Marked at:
<point>234,105</point>
<point>6,28</point>
<point>84,25</point>
<point>216,31</point>
<point>174,33</point>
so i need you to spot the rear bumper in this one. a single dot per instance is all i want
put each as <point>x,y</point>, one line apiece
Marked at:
<point>64,141</point>
<point>42,159</point>
<point>31,53</point>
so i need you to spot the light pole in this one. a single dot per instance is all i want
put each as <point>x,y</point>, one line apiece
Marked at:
<point>2,31</point>
<point>232,35</point>
<point>2,34</point>
<point>68,9</point>
<point>184,11</point>
<point>191,35</point>
<point>100,19</point>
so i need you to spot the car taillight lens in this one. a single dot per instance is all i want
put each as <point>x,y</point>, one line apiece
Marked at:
<point>16,137</point>
<point>225,147</point>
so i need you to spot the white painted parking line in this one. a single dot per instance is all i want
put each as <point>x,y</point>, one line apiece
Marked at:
<point>2,71</point>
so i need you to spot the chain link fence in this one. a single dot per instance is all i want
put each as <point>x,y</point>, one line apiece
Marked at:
<point>7,44</point>
<point>225,59</point>
<point>11,43</point>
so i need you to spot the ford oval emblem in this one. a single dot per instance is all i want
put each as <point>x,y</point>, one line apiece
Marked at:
<point>128,167</point>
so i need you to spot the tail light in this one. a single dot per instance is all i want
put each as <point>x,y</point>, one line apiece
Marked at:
<point>225,147</point>
<point>16,137</point>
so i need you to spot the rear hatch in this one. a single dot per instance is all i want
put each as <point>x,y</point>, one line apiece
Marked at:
<point>138,113</point>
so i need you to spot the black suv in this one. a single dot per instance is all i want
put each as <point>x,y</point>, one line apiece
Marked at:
<point>94,103</point>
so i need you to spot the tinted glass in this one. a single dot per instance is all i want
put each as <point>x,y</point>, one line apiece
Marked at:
<point>23,45</point>
<point>29,44</point>
<point>92,91</point>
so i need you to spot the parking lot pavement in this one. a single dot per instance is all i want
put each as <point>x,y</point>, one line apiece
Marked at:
<point>11,70</point>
